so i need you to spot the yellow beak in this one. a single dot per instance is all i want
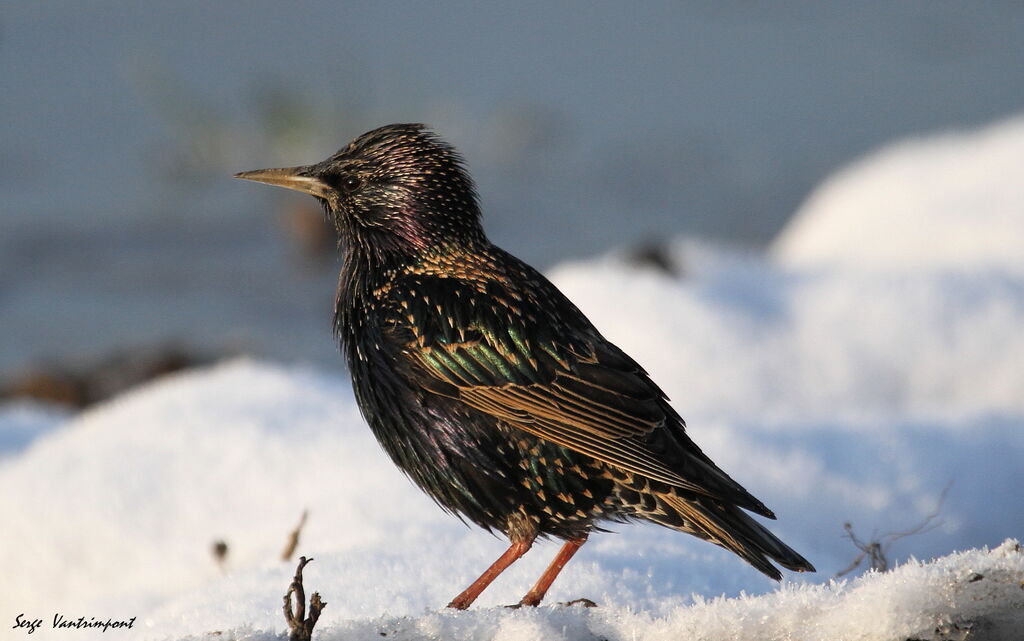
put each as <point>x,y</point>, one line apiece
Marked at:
<point>296,178</point>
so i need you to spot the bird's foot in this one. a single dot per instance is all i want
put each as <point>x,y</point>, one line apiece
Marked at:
<point>459,604</point>
<point>587,603</point>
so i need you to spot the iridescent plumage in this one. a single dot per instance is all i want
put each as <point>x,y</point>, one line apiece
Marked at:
<point>487,386</point>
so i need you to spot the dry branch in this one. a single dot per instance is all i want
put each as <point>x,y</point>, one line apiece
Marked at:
<point>875,549</point>
<point>300,625</point>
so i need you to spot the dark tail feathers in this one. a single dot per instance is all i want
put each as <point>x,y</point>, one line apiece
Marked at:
<point>734,530</point>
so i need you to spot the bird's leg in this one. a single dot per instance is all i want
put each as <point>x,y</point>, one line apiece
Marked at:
<point>537,592</point>
<point>514,551</point>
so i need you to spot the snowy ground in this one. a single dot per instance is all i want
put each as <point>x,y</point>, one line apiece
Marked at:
<point>950,200</point>
<point>847,390</point>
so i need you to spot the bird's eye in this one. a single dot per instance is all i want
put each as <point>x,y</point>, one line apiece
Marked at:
<point>350,184</point>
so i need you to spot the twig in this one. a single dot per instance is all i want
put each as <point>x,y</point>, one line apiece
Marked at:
<point>877,547</point>
<point>293,538</point>
<point>301,626</point>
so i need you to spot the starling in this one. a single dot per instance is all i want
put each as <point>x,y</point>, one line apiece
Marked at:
<point>487,386</point>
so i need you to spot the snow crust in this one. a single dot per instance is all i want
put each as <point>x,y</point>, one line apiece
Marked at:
<point>854,389</point>
<point>968,595</point>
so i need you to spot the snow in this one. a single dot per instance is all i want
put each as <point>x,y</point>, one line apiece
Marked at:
<point>837,387</point>
<point>952,200</point>
<point>976,592</point>
<point>21,422</point>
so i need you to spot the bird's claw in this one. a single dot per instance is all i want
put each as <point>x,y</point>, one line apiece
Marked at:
<point>587,603</point>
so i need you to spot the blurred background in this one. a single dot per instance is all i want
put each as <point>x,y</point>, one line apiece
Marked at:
<point>805,219</point>
<point>126,248</point>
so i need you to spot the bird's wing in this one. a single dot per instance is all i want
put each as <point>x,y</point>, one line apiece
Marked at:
<point>558,380</point>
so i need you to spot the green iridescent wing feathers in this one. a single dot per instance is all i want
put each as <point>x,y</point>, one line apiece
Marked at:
<point>485,347</point>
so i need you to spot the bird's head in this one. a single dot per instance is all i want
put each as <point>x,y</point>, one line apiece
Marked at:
<point>399,188</point>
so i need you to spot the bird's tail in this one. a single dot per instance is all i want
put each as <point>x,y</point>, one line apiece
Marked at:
<point>733,529</point>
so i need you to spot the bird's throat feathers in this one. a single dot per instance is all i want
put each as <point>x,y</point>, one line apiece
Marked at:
<point>369,270</point>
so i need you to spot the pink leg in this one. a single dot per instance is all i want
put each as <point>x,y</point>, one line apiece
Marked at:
<point>510,556</point>
<point>537,592</point>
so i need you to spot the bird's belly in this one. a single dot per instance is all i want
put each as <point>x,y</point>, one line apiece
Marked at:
<point>562,490</point>
<point>482,470</point>
<point>445,452</point>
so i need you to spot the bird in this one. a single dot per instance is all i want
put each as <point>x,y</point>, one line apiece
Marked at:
<point>487,386</point>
